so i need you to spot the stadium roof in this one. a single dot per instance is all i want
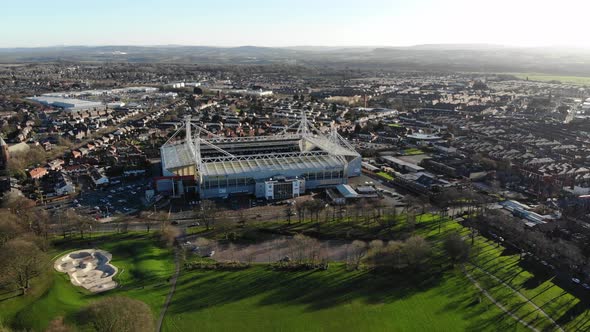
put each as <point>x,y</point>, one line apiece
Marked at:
<point>176,156</point>
<point>250,166</point>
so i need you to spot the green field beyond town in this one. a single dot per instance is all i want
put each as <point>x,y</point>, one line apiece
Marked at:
<point>578,80</point>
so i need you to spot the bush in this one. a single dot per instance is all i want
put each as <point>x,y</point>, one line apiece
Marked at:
<point>219,266</point>
<point>299,266</point>
<point>117,313</point>
<point>168,235</point>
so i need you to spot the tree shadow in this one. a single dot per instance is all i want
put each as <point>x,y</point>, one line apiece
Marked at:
<point>572,313</point>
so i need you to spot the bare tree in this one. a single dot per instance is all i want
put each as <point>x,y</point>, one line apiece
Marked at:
<point>9,227</point>
<point>153,218</point>
<point>456,248</point>
<point>63,223</point>
<point>168,234</point>
<point>357,250</point>
<point>300,207</point>
<point>209,213</point>
<point>288,213</point>
<point>21,262</point>
<point>81,224</point>
<point>224,225</point>
<point>417,250</point>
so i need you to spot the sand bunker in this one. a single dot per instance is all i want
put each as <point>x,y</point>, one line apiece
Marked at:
<point>89,268</point>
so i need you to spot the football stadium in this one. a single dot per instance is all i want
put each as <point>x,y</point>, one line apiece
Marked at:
<point>273,167</point>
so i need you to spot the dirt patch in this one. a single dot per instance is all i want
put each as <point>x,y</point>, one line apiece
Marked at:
<point>275,250</point>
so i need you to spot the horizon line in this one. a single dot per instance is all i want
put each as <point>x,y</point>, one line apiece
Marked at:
<point>300,46</point>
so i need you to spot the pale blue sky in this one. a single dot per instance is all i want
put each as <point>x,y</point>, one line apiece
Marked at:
<point>28,23</point>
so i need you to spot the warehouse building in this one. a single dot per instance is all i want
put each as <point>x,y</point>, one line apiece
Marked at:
<point>68,104</point>
<point>271,167</point>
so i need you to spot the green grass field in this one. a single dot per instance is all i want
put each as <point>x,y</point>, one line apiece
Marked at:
<point>143,272</point>
<point>336,300</point>
<point>536,284</point>
<point>385,176</point>
<point>580,80</point>
<point>259,299</point>
<point>412,152</point>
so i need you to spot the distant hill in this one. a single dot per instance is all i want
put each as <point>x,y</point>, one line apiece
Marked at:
<point>444,57</point>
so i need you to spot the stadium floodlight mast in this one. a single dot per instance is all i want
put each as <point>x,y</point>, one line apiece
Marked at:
<point>194,141</point>
<point>303,129</point>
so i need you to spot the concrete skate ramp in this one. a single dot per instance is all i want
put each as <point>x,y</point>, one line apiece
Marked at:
<point>89,268</point>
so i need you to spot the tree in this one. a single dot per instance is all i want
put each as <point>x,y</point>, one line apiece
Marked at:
<point>303,248</point>
<point>21,262</point>
<point>64,224</point>
<point>224,225</point>
<point>289,213</point>
<point>20,206</point>
<point>417,250</point>
<point>40,222</point>
<point>81,223</point>
<point>118,313</point>
<point>168,234</point>
<point>456,248</point>
<point>356,251</point>
<point>300,207</point>
<point>389,256</point>
<point>209,213</point>
<point>153,218</point>
<point>9,227</point>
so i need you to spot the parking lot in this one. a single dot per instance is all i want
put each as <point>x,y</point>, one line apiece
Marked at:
<point>123,198</point>
<point>390,195</point>
<point>126,196</point>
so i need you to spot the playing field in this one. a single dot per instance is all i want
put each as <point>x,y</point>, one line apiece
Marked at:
<point>258,299</point>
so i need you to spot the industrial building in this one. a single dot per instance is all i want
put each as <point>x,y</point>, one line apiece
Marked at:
<point>69,104</point>
<point>271,167</point>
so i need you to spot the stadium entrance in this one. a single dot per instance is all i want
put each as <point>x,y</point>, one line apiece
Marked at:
<point>282,188</point>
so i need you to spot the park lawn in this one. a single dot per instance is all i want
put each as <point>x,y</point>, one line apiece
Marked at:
<point>385,176</point>
<point>427,225</point>
<point>144,269</point>
<point>260,299</point>
<point>539,286</point>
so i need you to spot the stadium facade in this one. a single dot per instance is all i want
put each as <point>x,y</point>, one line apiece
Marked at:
<point>271,167</point>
